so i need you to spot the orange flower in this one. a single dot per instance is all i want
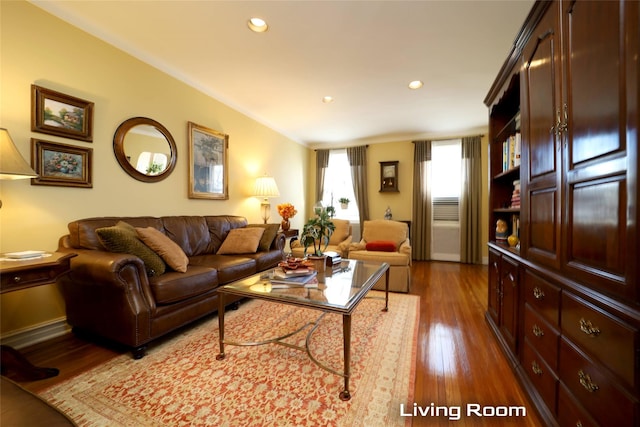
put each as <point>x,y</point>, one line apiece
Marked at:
<point>287,210</point>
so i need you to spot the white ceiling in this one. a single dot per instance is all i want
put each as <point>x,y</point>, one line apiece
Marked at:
<point>362,53</point>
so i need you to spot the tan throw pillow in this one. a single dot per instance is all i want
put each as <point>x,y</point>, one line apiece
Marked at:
<point>241,241</point>
<point>270,232</point>
<point>122,238</point>
<point>169,250</point>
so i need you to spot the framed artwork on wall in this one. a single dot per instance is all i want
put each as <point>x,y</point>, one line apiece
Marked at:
<point>61,165</point>
<point>208,170</point>
<point>55,113</point>
<point>389,176</point>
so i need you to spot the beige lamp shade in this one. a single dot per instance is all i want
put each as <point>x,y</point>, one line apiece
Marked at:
<point>265,187</point>
<point>12,164</point>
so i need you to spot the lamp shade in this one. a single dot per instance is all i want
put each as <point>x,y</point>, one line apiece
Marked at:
<point>12,164</point>
<point>266,187</point>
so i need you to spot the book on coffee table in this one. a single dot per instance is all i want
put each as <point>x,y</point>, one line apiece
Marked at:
<point>299,278</point>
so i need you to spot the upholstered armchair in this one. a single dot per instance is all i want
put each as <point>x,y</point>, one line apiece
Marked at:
<point>386,241</point>
<point>340,240</point>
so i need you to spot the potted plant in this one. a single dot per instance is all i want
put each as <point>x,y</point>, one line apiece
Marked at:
<point>317,233</point>
<point>344,202</point>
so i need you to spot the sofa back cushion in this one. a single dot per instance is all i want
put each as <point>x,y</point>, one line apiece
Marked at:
<point>342,231</point>
<point>196,235</point>
<point>82,233</point>
<point>385,230</point>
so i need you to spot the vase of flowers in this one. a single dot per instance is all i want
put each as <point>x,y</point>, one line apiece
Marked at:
<point>286,211</point>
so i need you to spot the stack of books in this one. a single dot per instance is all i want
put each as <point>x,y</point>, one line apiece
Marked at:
<point>297,277</point>
<point>511,149</point>
<point>515,196</point>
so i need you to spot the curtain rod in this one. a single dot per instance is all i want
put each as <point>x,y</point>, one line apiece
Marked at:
<point>447,139</point>
<point>340,148</point>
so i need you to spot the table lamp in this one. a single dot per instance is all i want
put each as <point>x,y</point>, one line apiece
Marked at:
<point>266,187</point>
<point>12,164</point>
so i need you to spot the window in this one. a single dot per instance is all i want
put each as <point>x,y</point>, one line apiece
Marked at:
<point>446,172</point>
<point>151,163</point>
<point>338,185</point>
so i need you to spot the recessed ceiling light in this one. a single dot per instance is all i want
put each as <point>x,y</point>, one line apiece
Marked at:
<point>416,84</point>
<point>327,99</point>
<point>257,25</point>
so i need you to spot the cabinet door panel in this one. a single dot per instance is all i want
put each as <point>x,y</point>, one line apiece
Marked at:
<point>494,285</point>
<point>541,157</point>
<point>509,315</point>
<point>594,79</point>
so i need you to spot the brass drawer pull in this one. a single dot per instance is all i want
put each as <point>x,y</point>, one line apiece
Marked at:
<point>17,279</point>
<point>586,382</point>
<point>537,331</point>
<point>536,368</point>
<point>538,293</point>
<point>588,328</point>
<point>579,424</point>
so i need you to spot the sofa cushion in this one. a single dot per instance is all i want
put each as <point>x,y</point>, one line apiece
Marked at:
<point>341,232</point>
<point>230,268</point>
<point>168,250</point>
<point>241,241</point>
<point>381,245</point>
<point>172,287</point>
<point>123,238</point>
<point>270,231</point>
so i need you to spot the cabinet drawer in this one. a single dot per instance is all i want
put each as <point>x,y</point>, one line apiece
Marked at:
<point>543,296</point>
<point>542,336</point>
<point>595,389</point>
<point>570,413</point>
<point>610,340</point>
<point>541,375</point>
<point>25,279</point>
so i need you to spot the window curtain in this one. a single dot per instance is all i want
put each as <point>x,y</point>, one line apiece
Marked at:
<point>421,217</point>
<point>358,161</point>
<point>471,201</point>
<point>322,163</point>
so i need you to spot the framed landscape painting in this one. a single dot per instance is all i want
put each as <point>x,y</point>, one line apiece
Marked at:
<point>208,172</point>
<point>60,164</point>
<point>55,113</point>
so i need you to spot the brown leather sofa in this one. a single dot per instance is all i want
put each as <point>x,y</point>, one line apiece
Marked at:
<point>112,295</point>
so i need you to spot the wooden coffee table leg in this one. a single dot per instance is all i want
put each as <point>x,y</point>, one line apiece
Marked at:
<point>221,355</point>
<point>346,333</point>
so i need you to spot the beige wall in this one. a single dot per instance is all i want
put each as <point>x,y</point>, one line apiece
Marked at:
<point>38,48</point>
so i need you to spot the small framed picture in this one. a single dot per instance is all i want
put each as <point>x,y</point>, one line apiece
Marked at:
<point>55,113</point>
<point>389,176</point>
<point>208,171</point>
<point>60,164</point>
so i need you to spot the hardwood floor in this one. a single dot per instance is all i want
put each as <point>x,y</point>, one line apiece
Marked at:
<point>458,361</point>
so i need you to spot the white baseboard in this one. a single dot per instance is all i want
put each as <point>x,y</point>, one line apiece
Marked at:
<point>35,334</point>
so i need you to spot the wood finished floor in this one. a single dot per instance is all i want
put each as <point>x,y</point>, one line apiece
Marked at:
<point>458,361</point>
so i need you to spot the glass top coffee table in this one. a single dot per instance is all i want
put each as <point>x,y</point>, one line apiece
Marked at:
<point>339,292</point>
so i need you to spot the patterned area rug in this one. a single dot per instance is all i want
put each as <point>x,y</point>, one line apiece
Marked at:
<point>180,382</point>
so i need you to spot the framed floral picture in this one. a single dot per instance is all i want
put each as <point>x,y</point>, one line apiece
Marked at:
<point>55,113</point>
<point>60,164</point>
<point>208,171</point>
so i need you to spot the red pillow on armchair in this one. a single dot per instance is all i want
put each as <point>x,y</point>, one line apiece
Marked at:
<point>382,246</point>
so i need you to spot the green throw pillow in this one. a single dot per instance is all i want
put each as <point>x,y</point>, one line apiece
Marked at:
<point>270,231</point>
<point>123,238</point>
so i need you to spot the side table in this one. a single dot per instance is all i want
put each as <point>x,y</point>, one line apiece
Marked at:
<point>23,274</point>
<point>291,235</point>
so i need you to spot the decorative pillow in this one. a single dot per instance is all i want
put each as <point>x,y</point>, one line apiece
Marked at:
<point>122,238</point>
<point>382,246</point>
<point>241,241</point>
<point>169,250</point>
<point>270,231</point>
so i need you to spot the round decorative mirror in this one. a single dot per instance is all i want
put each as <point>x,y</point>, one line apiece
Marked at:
<point>145,149</point>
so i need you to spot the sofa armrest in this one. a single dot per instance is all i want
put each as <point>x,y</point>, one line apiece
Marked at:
<point>345,245</point>
<point>405,248</point>
<point>279,242</point>
<point>104,285</point>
